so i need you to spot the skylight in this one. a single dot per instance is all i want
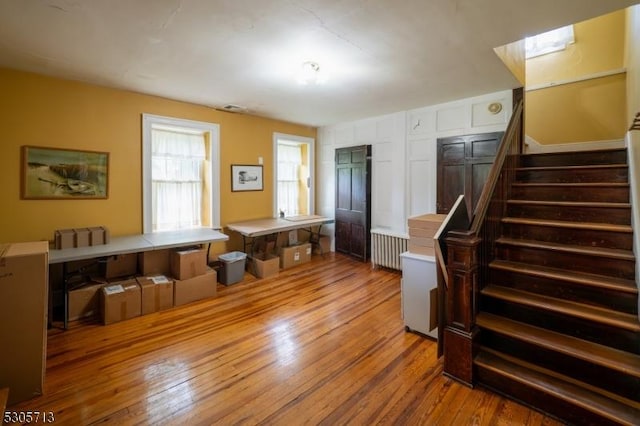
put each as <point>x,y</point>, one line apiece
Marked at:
<point>551,41</point>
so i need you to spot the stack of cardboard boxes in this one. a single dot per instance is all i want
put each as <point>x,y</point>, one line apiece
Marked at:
<point>422,229</point>
<point>135,284</point>
<point>80,237</point>
<point>194,279</point>
<point>289,249</point>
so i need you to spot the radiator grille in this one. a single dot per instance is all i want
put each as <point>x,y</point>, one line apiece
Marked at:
<point>386,249</point>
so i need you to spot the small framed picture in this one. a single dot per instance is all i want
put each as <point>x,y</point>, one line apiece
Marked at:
<point>246,178</point>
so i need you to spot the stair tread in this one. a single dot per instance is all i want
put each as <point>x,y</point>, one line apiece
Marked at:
<point>594,280</point>
<point>596,226</point>
<point>554,385</point>
<point>568,248</point>
<point>597,314</point>
<point>586,151</point>
<point>574,168</point>
<point>595,353</point>
<point>572,203</point>
<point>574,184</point>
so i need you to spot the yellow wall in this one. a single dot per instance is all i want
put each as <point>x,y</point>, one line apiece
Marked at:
<point>632,62</point>
<point>513,56</point>
<point>584,111</point>
<point>43,111</point>
<point>578,112</point>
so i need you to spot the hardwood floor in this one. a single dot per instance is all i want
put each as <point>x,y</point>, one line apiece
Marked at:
<point>322,343</point>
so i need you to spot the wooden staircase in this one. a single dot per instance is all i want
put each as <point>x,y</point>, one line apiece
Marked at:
<point>558,317</point>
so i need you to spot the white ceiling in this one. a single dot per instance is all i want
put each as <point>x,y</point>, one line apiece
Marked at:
<point>380,56</point>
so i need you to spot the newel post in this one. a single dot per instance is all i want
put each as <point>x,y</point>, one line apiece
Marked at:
<point>460,330</point>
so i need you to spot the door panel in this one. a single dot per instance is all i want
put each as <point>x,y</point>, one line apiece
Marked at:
<point>453,174</point>
<point>353,201</point>
<point>343,236</point>
<point>464,163</point>
<point>479,174</point>
<point>343,187</point>
<point>358,241</point>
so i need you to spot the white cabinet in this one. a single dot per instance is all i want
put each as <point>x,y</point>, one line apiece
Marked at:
<point>419,293</point>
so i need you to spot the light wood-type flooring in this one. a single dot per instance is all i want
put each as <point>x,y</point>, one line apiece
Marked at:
<point>322,343</point>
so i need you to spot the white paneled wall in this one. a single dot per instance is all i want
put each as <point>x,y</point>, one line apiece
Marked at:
<point>404,156</point>
<point>426,125</point>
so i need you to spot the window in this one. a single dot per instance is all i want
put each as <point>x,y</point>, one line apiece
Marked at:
<point>180,174</point>
<point>293,177</point>
<point>289,177</point>
<point>551,41</point>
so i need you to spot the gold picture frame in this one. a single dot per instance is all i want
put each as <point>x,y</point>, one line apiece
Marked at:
<point>63,174</point>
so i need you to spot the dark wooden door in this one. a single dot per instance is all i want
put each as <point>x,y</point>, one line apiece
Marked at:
<point>353,201</point>
<point>463,166</point>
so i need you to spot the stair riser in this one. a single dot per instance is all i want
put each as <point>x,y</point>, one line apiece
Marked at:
<point>533,397</point>
<point>616,174</point>
<point>581,328</point>
<point>575,158</point>
<point>616,216</point>
<point>587,194</point>
<point>569,261</point>
<point>620,301</point>
<point>583,237</point>
<point>584,371</point>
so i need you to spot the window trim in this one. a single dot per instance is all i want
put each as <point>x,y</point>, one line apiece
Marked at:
<point>310,142</point>
<point>148,121</point>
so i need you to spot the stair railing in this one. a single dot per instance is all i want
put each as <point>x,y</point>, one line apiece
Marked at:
<point>469,252</point>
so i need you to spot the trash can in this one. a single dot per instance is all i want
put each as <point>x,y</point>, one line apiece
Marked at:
<point>232,270</point>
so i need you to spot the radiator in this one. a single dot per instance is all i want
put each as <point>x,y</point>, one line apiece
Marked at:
<point>386,248</point>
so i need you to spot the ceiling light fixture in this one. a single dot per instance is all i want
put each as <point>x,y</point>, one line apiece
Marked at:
<point>310,74</point>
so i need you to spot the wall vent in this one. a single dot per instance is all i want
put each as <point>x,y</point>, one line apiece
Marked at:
<point>234,108</point>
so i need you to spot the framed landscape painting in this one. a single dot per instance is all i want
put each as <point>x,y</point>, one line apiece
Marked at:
<point>53,173</point>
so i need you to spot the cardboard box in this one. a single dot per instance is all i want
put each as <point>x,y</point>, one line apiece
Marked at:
<point>121,265</point>
<point>421,232</point>
<point>23,318</point>
<point>426,221</point>
<point>264,265</point>
<point>196,288</point>
<point>295,255</point>
<point>413,248</point>
<point>82,237</point>
<point>323,246</point>
<point>157,293</point>
<point>84,301</point>
<point>99,235</point>
<point>64,238</point>
<point>121,301</point>
<point>154,262</point>
<point>422,241</point>
<point>187,264</point>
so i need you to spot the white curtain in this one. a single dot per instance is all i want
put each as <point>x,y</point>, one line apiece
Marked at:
<point>289,162</point>
<point>177,179</point>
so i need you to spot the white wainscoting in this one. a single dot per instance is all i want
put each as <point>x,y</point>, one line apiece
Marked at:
<point>404,156</point>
